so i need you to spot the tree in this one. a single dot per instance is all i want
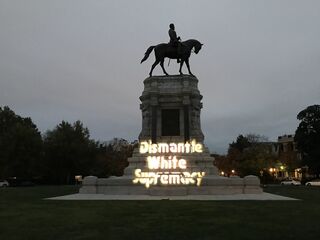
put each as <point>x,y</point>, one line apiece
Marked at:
<point>259,156</point>
<point>69,151</point>
<point>250,154</point>
<point>222,162</point>
<point>112,157</point>
<point>20,144</point>
<point>241,143</point>
<point>307,137</point>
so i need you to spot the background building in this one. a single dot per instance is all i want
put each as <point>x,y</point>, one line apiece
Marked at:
<point>289,165</point>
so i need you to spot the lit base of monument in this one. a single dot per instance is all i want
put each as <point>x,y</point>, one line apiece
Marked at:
<point>219,186</point>
<point>171,160</point>
<point>211,183</point>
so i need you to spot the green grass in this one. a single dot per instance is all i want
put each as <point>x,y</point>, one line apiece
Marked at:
<point>25,215</point>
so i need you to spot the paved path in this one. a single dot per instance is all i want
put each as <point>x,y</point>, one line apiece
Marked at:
<point>262,196</point>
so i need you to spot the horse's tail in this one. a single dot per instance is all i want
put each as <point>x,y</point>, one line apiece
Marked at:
<point>146,55</point>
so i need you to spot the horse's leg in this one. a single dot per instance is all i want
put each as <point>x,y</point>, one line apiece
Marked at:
<point>161,64</point>
<point>181,64</point>
<point>156,62</point>
<point>188,66</point>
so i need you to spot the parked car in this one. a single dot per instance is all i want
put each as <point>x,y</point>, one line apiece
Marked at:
<point>20,182</point>
<point>315,182</point>
<point>4,183</point>
<point>291,182</point>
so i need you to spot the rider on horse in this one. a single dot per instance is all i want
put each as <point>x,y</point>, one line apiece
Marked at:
<point>173,50</point>
<point>174,40</point>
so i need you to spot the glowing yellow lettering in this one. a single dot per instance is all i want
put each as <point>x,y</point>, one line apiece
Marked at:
<point>198,148</point>
<point>164,179</point>
<point>182,164</point>
<point>174,162</point>
<point>154,148</point>
<point>170,147</point>
<point>164,163</point>
<point>163,148</point>
<point>161,164</point>
<point>173,147</point>
<point>153,162</point>
<point>187,147</point>
<point>168,178</point>
<point>157,162</point>
<point>200,175</point>
<point>180,147</point>
<point>137,173</point>
<point>144,147</point>
<point>174,179</point>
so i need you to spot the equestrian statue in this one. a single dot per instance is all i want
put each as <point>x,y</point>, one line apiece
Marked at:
<point>175,49</point>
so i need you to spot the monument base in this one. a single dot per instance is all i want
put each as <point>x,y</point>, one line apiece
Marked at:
<point>172,159</point>
<point>211,182</point>
<point>218,186</point>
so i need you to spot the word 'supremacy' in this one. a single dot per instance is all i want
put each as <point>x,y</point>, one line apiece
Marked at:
<point>168,170</point>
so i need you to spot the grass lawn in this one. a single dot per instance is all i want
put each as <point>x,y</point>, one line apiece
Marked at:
<point>25,215</point>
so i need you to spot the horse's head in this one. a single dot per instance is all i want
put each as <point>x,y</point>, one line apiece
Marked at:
<point>197,47</point>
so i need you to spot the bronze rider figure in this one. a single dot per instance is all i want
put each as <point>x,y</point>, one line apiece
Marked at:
<point>174,40</point>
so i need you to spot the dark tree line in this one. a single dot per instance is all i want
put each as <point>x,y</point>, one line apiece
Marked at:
<point>58,155</point>
<point>67,150</point>
<point>248,155</point>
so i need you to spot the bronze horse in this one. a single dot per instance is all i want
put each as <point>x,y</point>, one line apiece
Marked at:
<point>164,50</point>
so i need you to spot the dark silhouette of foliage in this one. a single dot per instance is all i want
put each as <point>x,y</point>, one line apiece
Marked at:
<point>69,151</point>
<point>20,146</point>
<point>240,144</point>
<point>112,157</point>
<point>62,153</point>
<point>307,137</point>
<point>249,155</point>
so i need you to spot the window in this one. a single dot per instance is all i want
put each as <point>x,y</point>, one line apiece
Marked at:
<point>170,119</point>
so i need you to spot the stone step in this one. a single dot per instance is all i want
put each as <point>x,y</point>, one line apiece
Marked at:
<point>208,170</point>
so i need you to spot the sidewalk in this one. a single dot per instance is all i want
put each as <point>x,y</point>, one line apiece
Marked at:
<point>233,197</point>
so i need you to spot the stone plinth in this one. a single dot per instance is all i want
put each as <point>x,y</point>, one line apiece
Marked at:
<point>170,107</point>
<point>171,93</point>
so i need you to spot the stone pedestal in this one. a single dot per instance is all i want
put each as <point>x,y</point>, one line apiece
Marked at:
<point>170,108</point>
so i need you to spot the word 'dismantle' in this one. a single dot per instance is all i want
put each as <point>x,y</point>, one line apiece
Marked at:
<point>192,147</point>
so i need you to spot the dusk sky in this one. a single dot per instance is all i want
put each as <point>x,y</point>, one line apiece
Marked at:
<point>80,60</point>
